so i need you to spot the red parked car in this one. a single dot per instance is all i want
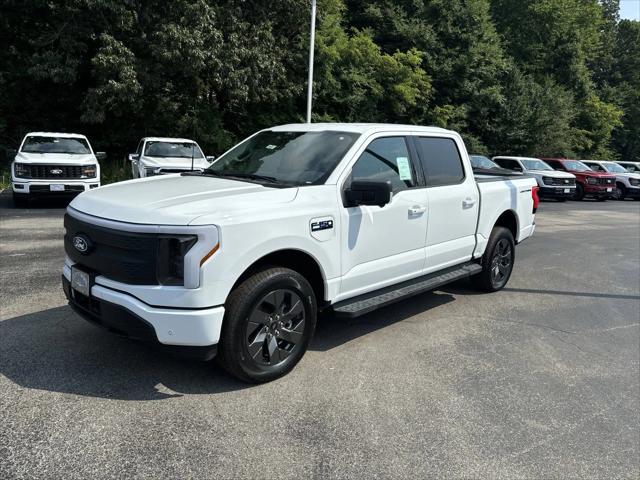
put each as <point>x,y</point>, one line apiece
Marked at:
<point>589,183</point>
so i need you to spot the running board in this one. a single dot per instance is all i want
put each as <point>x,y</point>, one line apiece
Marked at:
<point>354,307</point>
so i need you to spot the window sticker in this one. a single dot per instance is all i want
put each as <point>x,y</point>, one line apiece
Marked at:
<point>404,170</point>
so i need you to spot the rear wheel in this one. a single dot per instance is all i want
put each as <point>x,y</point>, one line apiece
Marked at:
<point>621,191</point>
<point>497,261</point>
<point>269,321</point>
<point>579,195</point>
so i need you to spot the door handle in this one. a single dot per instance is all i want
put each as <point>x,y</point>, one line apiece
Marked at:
<point>468,203</point>
<point>417,209</point>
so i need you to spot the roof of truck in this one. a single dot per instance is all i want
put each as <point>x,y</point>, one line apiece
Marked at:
<point>54,134</point>
<point>168,139</point>
<point>357,127</point>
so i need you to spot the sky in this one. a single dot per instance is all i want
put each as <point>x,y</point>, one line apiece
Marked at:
<point>630,9</point>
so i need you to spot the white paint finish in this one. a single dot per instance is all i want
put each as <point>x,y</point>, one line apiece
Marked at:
<point>173,327</point>
<point>421,230</point>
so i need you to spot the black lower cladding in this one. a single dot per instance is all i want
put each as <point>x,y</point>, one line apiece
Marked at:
<point>46,189</point>
<point>117,319</point>
<point>555,192</point>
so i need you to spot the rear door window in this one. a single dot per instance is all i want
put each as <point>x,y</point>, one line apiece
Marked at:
<point>440,160</point>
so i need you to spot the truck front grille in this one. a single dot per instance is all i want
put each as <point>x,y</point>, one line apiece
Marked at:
<point>121,256</point>
<point>605,181</point>
<point>569,182</point>
<point>54,172</point>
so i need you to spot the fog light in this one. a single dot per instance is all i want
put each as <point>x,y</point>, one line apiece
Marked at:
<point>18,186</point>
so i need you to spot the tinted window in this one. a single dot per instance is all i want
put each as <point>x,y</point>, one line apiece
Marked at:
<point>287,157</point>
<point>172,150</point>
<point>508,163</point>
<point>441,160</point>
<point>386,159</point>
<point>595,167</point>
<point>555,164</point>
<point>74,146</point>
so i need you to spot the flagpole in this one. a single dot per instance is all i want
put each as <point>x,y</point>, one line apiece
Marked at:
<point>312,41</point>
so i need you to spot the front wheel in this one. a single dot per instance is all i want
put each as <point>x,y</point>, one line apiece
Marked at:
<point>621,191</point>
<point>579,195</point>
<point>497,261</point>
<point>269,321</point>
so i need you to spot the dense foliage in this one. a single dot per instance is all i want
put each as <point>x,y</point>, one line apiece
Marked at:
<point>537,77</point>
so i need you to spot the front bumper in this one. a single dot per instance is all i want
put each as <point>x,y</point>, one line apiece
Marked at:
<point>633,192</point>
<point>194,332</point>
<point>557,192</point>
<point>43,187</point>
<point>599,190</point>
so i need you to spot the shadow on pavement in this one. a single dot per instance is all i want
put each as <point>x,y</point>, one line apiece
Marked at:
<point>332,332</point>
<point>57,351</point>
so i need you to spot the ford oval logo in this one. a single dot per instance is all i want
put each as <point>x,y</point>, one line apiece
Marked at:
<point>55,171</point>
<point>81,243</point>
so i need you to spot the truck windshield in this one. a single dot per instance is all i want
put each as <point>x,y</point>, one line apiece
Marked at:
<point>536,165</point>
<point>172,149</point>
<point>613,167</point>
<point>480,161</point>
<point>73,146</point>
<point>576,166</point>
<point>290,158</point>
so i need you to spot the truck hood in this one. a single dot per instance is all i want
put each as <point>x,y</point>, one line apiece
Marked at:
<point>626,175</point>
<point>55,158</point>
<point>178,200</point>
<point>552,173</point>
<point>174,162</point>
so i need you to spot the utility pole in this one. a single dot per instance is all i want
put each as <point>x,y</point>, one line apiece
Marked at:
<point>312,42</point>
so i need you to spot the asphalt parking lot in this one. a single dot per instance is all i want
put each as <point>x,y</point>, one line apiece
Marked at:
<point>541,380</point>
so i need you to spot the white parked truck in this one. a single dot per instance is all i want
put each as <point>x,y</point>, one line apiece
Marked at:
<point>553,184</point>
<point>161,156</point>
<point>54,164</point>
<point>627,183</point>
<point>238,259</point>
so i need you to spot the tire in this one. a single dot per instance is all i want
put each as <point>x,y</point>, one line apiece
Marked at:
<point>500,251</point>
<point>622,191</point>
<point>579,195</point>
<point>269,320</point>
<point>20,200</point>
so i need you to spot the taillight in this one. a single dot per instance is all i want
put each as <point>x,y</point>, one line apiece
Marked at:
<point>536,199</point>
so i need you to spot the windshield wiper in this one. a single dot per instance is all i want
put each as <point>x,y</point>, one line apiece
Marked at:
<point>240,175</point>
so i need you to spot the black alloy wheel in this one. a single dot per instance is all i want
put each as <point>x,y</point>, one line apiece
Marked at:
<point>275,327</point>
<point>268,323</point>
<point>501,263</point>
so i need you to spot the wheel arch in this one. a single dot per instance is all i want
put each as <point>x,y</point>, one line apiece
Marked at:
<point>298,260</point>
<point>509,220</point>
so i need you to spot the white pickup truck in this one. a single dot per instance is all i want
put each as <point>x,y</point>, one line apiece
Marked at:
<point>238,260</point>
<point>53,164</point>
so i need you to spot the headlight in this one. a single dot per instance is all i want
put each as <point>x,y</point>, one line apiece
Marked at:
<point>151,171</point>
<point>21,170</point>
<point>170,259</point>
<point>89,171</point>
<point>591,180</point>
<point>634,181</point>
<point>547,180</point>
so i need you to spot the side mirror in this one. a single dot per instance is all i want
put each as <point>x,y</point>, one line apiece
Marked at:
<point>101,156</point>
<point>367,193</point>
<point>134,157</point>
<point>210,158</point>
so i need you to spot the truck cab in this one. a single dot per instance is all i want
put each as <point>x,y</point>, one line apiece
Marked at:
<point>553,184</point>
<point>162,156</point>
<point>54,164</point>
<point>235,261</point>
